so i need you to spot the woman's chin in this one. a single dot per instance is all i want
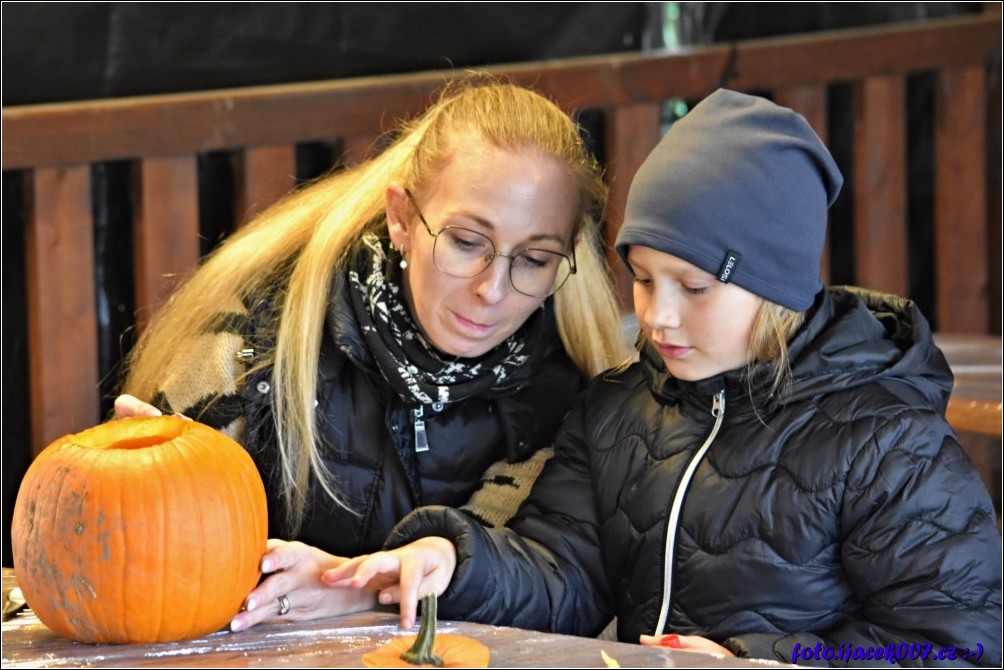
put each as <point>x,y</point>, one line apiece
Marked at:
<point>465,349</point>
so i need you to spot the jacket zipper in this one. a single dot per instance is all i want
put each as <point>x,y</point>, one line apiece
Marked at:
<point>717,411</point>
<point>421,441</point>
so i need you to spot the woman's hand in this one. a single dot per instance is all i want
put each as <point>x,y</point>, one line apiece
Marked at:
<point>127,405</point>
<point>402,575</point>
<point>685,643</point>
<point>294,582</point>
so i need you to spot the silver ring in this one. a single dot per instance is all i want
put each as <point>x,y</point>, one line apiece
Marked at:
<point>283,605</point>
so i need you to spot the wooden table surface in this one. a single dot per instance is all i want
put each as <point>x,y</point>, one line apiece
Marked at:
<point>332,642</point>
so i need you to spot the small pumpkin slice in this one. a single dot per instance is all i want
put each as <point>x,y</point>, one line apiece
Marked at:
<point>427,649</point>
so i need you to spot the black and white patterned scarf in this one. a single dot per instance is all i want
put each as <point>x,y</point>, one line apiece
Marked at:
<point>413,367</point>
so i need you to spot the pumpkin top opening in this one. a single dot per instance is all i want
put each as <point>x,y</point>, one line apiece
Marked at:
<point>132,433</point>
<point>141,442</point>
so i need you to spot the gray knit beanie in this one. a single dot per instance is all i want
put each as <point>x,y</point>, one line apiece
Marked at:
<point>738,187</point>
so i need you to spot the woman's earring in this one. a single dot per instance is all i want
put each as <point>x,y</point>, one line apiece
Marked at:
<point>404,261</point>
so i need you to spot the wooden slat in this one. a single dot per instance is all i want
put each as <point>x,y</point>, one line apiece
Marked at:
<point>632,131</point>
<point>960,201</point>
<point>811,102</point>
<point>264,174</point>
<point>166,229</point>
<point>210,120</point>
<point>55,134</point>
<point>62,324</point>
<point>845,55</point>
<point>880,235</point>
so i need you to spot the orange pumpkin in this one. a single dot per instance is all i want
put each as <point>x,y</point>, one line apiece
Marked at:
<point>454,651</point>
<point>145,529</point>
<point>429,649</point>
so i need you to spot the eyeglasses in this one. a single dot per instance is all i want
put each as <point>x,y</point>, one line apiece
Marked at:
<point>463,253</point>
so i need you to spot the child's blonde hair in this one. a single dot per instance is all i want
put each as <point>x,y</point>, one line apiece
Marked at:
<point>773,327</point>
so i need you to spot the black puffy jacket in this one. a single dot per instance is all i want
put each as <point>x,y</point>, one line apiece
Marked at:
<point>369,433</point>
<point>842,512</point>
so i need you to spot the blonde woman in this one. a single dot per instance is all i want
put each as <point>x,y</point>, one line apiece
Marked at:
<point>381,337</point>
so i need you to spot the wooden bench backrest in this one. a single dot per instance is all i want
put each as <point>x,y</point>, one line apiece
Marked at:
<point>55,145</point>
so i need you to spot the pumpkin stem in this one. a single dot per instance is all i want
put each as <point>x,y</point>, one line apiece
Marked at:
<point>421,652</point>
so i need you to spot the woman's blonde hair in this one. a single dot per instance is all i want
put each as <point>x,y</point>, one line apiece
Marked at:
<point>299,244</point>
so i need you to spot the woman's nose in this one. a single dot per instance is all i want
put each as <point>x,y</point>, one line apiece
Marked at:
<point>493,282</point>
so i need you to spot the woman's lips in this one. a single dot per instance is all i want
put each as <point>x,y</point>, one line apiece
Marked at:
<point>472,326</point>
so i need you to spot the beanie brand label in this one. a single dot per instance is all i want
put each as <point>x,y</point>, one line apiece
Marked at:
<point>729,265</point>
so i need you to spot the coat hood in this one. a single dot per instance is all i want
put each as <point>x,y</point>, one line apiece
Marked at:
<point>851,337</point>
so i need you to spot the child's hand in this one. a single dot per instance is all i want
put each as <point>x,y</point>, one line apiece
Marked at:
<point>402,575</point>
<point>685,643</point>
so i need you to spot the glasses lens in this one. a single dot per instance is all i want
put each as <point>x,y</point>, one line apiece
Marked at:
<point>462,253</point>
<point>538,272</point>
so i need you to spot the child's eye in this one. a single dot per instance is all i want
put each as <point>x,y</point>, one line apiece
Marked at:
<point>696,290</point>
<point>641,281</point>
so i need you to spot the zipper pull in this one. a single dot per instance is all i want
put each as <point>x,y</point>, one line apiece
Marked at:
<point>718,403</point>
<point>421,441</point>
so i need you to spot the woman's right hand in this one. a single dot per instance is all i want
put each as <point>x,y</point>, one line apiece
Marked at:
<point>127,405</point>
<point>293,580</point>
<point>402,575</point>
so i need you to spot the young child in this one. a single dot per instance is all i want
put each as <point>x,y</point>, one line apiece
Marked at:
<point>774,478</point>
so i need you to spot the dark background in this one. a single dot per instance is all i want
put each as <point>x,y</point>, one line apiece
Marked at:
<point>75,51</point>
<point>55,52</point>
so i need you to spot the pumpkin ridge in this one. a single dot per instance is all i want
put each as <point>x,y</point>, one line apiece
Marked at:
<point>134,539</point>
<point>45,524</point>
<point>55,528</point>
<point>238,512</point>
<point>198,530</point>
<point>112,587</point>
<point>237,520</point>
<point>92,476</point>
<point>70,509</point>
<point>157,456</point>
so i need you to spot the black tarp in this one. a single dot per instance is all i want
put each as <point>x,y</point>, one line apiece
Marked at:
<point>74,51</point>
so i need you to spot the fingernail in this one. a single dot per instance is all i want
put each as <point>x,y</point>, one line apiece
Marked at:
<point>235,626</point>
<point>385,599</point>
<point>672,641</point>
<point>266,565</point>
<point>252,603</point>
